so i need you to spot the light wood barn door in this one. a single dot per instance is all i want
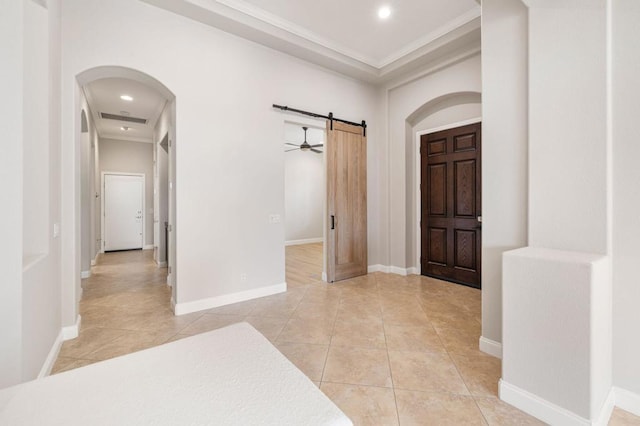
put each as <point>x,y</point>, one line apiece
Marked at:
<point>346,150</point>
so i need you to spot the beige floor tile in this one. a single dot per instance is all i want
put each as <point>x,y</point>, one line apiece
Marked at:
<point>620,417</point>
<point>310,359</point>
<point>270,327</point>
<point>425,408</point>
<point>364,405</point>
<point>413,338</point>
<point>208,322</point>
<point>498,413</point>
<point>242,308</point>
<point>305,330</point>
<point>425,371</point>
<point>323,311</point>
<point>405,316</point>
<point>65,364</point>
<point>480,373</point>
<point>357,366</point>
<point>464,342</point>
<point>366,334</point>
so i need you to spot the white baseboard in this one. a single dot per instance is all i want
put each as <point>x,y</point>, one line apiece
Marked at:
<point>627,400</point>
<point>393,270</point>
<point>72,331</point>
<point>93,262</point>
<point>324,277</point>
<point>227,299</point>
<point>490,347</point>
<point>305,241</point>
<point>85,274</point>
<point>549,412</point>
<point>161,264</point>
<point>147,247</point>
<point>378,268</point>
<point>51,357</point>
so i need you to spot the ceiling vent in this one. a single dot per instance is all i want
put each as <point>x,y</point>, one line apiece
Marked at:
<point>129,119</point>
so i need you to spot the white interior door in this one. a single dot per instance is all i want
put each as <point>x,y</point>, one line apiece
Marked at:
<point>123,208</point>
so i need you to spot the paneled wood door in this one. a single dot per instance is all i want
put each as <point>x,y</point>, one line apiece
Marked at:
<point>451,204</point>
<point>346,149</point>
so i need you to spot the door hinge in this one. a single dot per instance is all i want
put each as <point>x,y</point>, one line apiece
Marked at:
<point>169,270</point>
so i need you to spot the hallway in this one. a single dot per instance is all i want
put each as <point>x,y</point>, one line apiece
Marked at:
<point>386,349</point>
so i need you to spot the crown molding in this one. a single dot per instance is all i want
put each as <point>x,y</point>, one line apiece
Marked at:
<point>242,19</point>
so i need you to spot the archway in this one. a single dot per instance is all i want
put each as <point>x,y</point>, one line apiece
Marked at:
<point>443,112</point>
<point>82,127</point>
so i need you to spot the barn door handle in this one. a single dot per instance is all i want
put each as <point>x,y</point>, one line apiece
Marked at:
<point>333,222</point>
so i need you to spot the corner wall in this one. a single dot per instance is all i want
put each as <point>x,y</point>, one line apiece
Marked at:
<point>626,199</point>
<point>504,149</point>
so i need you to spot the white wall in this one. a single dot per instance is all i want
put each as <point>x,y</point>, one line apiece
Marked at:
<point>304,186</point>
<point>568,182</point>
<point>626,202</point>
<point>30,321</point>
<point>230,162</point>
<point>403,102</point>
<point>88,212</point>
<point>162,129</point>
<point>131,157</point>
<point>504,148</point>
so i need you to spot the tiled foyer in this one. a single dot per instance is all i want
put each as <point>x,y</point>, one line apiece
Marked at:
<point>386,349</point>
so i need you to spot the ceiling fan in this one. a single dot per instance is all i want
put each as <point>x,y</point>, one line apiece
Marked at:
<point>305,145</point>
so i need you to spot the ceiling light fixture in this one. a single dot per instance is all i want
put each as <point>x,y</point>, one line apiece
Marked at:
<point>126,98</point>
<point>125,128</point>
<point>384,12</point>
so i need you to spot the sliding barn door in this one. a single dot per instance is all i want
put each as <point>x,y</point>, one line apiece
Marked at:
<point>346,150</point>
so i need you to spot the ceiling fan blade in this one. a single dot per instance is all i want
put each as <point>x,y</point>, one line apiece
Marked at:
<point>317,145</point>
<point>294,149</point>
<point>316,151</point>
<point>292,144</point>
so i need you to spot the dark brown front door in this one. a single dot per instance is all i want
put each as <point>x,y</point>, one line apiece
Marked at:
<point>451,204</point>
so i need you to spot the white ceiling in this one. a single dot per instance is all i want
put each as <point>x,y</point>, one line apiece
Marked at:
<point>347,35</point>
<point>103,96</point>
<point>352,27</point>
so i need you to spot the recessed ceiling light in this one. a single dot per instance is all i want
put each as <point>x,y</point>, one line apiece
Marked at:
<point>384,12</point>
<point>126,98</point>
<point>124,128</point>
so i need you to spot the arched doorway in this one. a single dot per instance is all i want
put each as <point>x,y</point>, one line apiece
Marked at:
<point>88,203</point>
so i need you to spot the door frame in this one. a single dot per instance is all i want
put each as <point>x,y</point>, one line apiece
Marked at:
<point>318,124</point>
<point>103,197</point>
<point>418,176</point>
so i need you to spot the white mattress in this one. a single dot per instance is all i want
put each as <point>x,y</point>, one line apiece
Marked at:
<point>230,376</point>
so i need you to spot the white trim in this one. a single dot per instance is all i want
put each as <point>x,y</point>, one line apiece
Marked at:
<point>417,169</point>
<point>548,412</point>
<point>102,199</point>
<point>72,331</point>
<point>304,241</point>
<point>147,247</point>
<point>227,299</point>
<point>490,347</point>
<point>398,271</point>
<point>85,274</point>
<point>50,361</point>
<point>161,264</point>
<point>93,262</point>
<point>378,268</point>
<point>324,276</point>
<point>627,400</point>
<point>414,270</point>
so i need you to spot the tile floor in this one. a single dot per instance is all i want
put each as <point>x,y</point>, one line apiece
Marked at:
<point>386,349</point>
